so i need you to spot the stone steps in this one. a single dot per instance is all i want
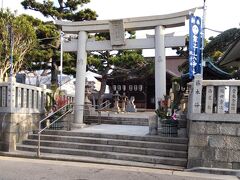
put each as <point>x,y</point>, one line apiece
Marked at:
<point>114,142</point>
<point>110,148</point>
<point>109,155</point>
<point>144,149</point>
<point>117,120</point>
<point>88,159</point>
<point>177,140</point>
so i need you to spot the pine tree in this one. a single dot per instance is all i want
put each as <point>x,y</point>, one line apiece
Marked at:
<point>63,10</point>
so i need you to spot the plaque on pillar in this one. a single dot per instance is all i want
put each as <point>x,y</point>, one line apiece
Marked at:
<point>39,99</point>
<point>34,99</point>
<point>11,95</point>
<point>197,94</point>
<point>233,90</point>
<point>30,99</point>
<point>221,96</point>
<point>4,96</point>
<point>209,99</point>
<point>24,97</point>
<point>19,97</point>
<point>117,32</point>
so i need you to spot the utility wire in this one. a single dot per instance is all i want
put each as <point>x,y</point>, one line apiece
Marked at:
<point>213,30</point>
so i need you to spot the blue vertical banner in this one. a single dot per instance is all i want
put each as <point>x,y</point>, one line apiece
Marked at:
<point>195,46</point>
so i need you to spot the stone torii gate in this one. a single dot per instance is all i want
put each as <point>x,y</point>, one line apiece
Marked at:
<point>117,41</point>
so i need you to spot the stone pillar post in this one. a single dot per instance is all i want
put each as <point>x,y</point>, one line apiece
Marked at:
<point>197,94</point>
<point>160,65</point>
<point>80,79</point>
<point>43,98</point>
<point>11,93</point>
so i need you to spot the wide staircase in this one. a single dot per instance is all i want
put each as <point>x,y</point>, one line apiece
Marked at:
<point>154,150</point>
<point>138,121</point>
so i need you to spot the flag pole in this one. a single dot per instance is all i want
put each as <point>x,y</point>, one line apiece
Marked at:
<point>61,58</point>
<point>11,50</point>
<point>203,35</point>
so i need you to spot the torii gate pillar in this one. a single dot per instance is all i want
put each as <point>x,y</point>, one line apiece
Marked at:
<point>80,79</point>
<point>160,65</point>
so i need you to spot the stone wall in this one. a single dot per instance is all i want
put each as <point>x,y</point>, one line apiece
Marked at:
<point>15,127</point>
<point>214,144</point>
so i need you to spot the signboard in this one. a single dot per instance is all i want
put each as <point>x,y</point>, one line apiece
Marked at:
<point>117,32</point>
<point>195,45</point>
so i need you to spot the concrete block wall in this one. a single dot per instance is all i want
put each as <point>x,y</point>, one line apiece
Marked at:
<point>214,144</point>
<point>15,127</point>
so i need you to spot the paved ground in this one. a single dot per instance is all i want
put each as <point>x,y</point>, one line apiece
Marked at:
<point>119,129</point>
<point>115,129</point>
<point>130,114</point>
<point>33,169</point>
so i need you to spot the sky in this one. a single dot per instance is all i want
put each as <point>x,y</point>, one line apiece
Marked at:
<point>220,15</point>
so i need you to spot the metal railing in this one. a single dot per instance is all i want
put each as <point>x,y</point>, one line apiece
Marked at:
<point>101,108</point>
<point>104,105</point>
<point>68,109</point>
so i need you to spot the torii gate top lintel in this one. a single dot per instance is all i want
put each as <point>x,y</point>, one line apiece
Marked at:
<point>137,23</point>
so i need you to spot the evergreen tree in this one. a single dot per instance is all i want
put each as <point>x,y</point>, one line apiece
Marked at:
<point>217,45</point>
<point>17,37</point>
<point>49,48</point>
<point>67,10</point>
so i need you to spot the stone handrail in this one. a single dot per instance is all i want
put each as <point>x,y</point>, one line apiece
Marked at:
<point>22,98</point>
<point>213,100</point>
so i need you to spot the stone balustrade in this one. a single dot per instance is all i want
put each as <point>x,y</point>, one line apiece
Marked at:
<point>213,100</point>
<point>214,124</point>
<point>21,108</point>
<point>25,99</point>
<point>22,98</point>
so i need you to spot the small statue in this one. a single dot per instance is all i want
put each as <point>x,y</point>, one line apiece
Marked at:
<point>130,105</point>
